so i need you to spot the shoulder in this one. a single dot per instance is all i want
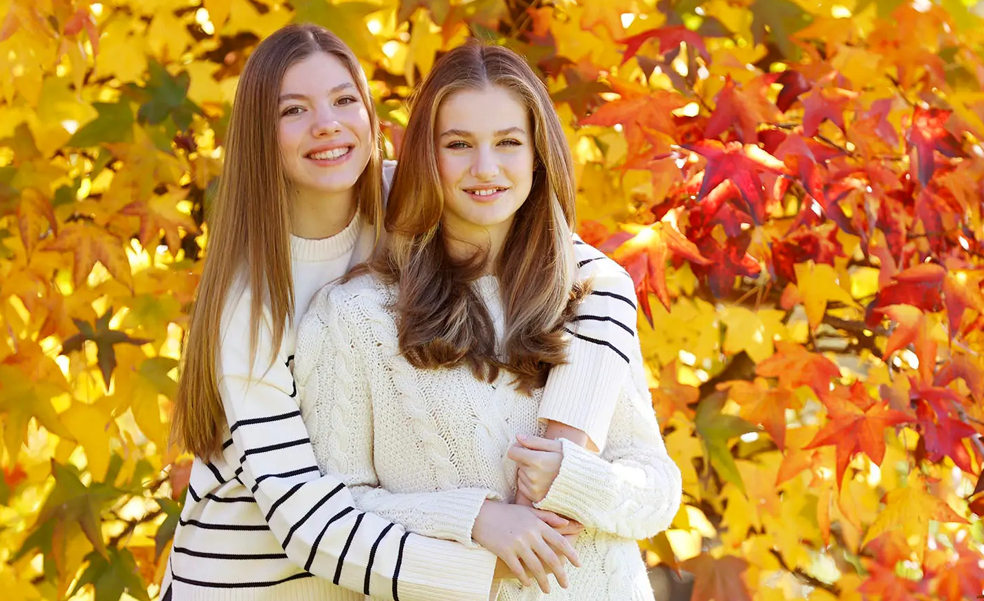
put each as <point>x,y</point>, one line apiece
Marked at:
<point>363,297</point>
<point>600,271</point>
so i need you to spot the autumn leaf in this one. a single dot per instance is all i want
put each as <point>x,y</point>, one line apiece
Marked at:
<point>910,510</point>
<point>668,38</point>
<point>158,214</point>
<point>795,366</point>
<point>105,338</point>
<point>89,244</point>
<point>35,218</point>
<point>111,575</point>
<point>927,134</point>
<point>741,165</point>
<point>744,109</point>
<point>644,257</point>
<point>856,424</point>
<point>638,112</point>
<point>794,84</point>
<point>21,400</point>
<point>716,430</point>
<point>718,579</point>
<point>671,396</point>
<point>763,405</point>
<point>825,104</point>
<point>819,285</point>
<point>962,578</point>
<point>911,328</point>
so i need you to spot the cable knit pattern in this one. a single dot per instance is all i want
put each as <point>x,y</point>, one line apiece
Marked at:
<point>428,441</point>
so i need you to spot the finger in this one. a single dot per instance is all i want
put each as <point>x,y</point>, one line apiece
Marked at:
<point>533,565</point>
<point>525,493</point>
<point>522,499</point>
<point>536,443</point>
<point>564,546</point>
<point>522,455</point>
<point>512,562</point>
<point>552,519</point>
<point>549,557</point>
<point>572,527</point>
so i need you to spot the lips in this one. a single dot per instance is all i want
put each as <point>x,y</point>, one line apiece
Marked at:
<point>485,191</point>
<point>329,154</point>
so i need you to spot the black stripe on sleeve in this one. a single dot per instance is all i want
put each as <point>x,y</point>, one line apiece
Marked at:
<point>227,444</point>
<point>215,472</point>
<point>281,500</point>
<point>274,447</point>
<point>294,393</point>
<point>579,243</point>
<point>581,264</point>
<point>599,342</point>
<point>316,507</point>
<point>615,296</point>
<point>264,420</point>
<point>289,359</point>
<point>236,527</point>
<point>241,584</point>
<point>230,556</point>
<point>345,549</point>
<point>218,499</point>
<point>601,318</point>
<point>290,474</point>
<point>372,555</point>
<point>167,593</point>
<point>396,570</point>
<point>317,541</point>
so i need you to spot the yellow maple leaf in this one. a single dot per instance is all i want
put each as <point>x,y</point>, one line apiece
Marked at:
<point>818,285</point>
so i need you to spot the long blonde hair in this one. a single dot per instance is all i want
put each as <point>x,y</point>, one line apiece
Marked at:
<point>249,232</point>
<point>442,321</point>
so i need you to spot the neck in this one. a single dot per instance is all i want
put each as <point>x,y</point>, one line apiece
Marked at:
<point>317,215</point>
<point>464,240</point>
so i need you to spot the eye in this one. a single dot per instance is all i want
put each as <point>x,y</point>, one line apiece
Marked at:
<point>346,100</point>
<point>457,145</point>
<point>510,142</point>
<point>291,110</point>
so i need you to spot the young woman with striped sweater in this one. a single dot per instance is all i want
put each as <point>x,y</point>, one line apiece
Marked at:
<point>300,202</point>
<point>419,371</point>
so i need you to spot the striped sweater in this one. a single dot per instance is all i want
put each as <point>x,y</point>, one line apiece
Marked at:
<point>261,522</point>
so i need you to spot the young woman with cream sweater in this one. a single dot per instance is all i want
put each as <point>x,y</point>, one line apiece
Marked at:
<point>417,374</point>
<point>300,203</point>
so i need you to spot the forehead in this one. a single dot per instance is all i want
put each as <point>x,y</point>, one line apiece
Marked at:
<point>487,110</point>
<point>315,74</point>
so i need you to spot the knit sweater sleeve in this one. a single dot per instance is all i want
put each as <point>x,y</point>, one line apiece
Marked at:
<point>582,393</point>
<point>314,516</point>
<point>633,488</point>
<point>336,354</point>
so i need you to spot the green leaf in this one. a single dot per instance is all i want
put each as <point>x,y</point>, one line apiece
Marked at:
<point>166,532</point>
<point>155,370</point>
<point>114,124</point>
<point>783,19</point>
<point>112,576</point>
<point>105,338</point>
<point>716,430</point>
<point>165,96</point>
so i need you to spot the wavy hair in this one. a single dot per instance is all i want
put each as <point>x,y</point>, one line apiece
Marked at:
<point>442,320</point>
<point>249,231</point>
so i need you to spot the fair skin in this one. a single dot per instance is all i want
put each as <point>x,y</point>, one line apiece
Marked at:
<point>485,159</point>
<point>325,138</point>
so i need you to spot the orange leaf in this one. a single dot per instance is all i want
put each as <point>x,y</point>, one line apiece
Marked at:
<point>672,396</point>
<point>795,366</point>
<point>718,579</point>
<point>763,405</point>
<point>88,244</point>
<point>161,213</point>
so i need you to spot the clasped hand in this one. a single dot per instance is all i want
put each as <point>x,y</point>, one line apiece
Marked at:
<point>538,463</point>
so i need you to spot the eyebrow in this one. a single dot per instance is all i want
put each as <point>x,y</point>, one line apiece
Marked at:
<point>331,92</point>
<point>460,133</point>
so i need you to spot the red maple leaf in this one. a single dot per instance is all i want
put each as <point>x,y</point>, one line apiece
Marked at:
<point>802,245</point>
<point>638,112</point>
<point>821,104</point>
<point>645,255</point>
<point>718,579</point>
<point>800,159</point>
<point>884,584</point>
<point>962,578</point>
<point>795,366</point>
<point>911,328</point>
<point>669,38</point>
<point>943,436</point>
<point>918,286</point>
<point>765,406</point>
<point>743,108</point>
<point>741,165</point>
<point>794,84</point>
<point>928,133</point>
<point>727,262</point>
<point>856,424</point>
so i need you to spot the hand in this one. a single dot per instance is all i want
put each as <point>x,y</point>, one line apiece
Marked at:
<point>538,461</point>
<point>525,539</point>
<point>571,531</point>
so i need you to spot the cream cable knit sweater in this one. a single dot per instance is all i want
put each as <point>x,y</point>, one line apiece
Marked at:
<point>425,448</point>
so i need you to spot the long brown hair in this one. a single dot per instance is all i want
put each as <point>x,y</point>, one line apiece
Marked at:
<point>249,232</point>
<point>442,321</point>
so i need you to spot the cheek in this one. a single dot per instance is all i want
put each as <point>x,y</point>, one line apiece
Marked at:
<point>448,169</point>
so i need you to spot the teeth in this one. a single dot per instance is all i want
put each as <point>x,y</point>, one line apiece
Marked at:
<point>329,154</point>
<point>488,192</point>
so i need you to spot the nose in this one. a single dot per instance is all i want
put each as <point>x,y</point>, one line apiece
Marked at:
<point>325,125</point>
<point>484,166</point>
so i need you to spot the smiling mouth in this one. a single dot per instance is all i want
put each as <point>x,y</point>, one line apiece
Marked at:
<point>485,192</point>
<point>330,155</point>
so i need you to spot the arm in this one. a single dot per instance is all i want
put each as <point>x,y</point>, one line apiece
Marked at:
<point>581,394</point>
<point>339,352</point>
<point>633,489</point>
<point>314,517</point>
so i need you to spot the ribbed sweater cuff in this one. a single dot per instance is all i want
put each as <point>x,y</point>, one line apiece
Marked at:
<point>580,485</point>
<point>438,571</point>
<point>582,393</point>
<point>453,513</point>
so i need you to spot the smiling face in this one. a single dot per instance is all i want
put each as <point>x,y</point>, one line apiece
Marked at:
<point>485,157</point>
<point>324,128</point>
